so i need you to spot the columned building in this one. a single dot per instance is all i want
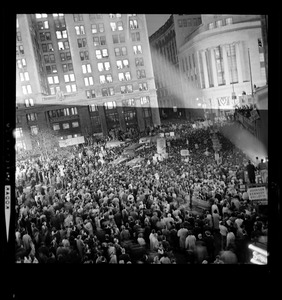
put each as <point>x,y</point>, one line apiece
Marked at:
<point>83,74</point>
<point>221,62</point>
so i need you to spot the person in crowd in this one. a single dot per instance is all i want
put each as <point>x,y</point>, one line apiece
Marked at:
<point>97,211</point>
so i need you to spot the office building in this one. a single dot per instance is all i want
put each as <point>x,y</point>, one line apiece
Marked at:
<point>83,75</point>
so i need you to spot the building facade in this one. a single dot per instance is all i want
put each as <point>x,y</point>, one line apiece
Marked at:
<point>165,44</point>
<point>83,74</point>
<point>227,62</point>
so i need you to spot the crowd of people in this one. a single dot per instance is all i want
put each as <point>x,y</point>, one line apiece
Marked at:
<point>81,208</point>
<point>245,110</point>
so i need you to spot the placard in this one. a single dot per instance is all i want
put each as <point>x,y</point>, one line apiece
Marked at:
<point>184,152</point>
<point>257,193</point>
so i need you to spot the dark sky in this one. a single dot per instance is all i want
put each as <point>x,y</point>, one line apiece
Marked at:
<point>155,21</point>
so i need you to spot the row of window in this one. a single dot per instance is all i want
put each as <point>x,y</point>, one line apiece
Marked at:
<point>67,125</point>
<point>79,17</point>
<point>189,22</point>
<point>63,112</point>
<point>220,23</point>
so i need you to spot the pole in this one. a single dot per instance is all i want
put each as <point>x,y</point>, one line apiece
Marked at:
<point>250,73</point>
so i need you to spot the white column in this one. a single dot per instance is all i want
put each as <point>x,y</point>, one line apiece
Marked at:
<point>225,63</point>
<point>214,69</point>
<point>207,84</point>
<point>199,69</point>
<point>239,63</point>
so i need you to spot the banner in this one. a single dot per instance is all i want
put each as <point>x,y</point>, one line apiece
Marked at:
<point>257,193</point>
<point>72,141</point>
<point>184,152</point>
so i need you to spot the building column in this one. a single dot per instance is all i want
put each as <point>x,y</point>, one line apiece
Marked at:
<point>102,116</point>
<point>199,69</point>
<point>214,69</point>
<point>205,68</point>
<point>121,118</point>
<point>239,63</point>
<point>139,114</point>
<point>225,64</point>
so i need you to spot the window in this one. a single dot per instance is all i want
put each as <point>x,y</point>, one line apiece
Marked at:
<point>31,117</point>
<point>19,132</point>
<point>137,49</point>
<point>69,77</point>
<point>104,66</point>
<point>50,47</point>
<point>144,100</point>
<point>21,49</point>
<point>118,38</point>
<point>141,74</point>
<point>105,53</point>
<point>56,126</point>
<point>122,63</point>
<point>39,16</point>
<point>19,37</point>
<point>143,86</point>
<point>133,24</point>
<point>88,81</point>
<point>228,21</point>
<point>108,92</point>
<point>101,27</point>
<point>66,112</point>
<point>139,61</point>
<point>29,102</point>
<point>66,125</point>
<point>90,94</point>
<point>77,17</point>
<point>110,105</point>
<point>86,69</point>
<point>180,23</point>
<point>121,77</point>
<point>211,25</point>
<point>219,65</point>
<point>126,89</point>
<point>21,63</point>
<point>232,65</point>
<point>73,111</point>
<point>94,28</point>
<point>93,107</point>
<point>79,29</point>
<point>123,51</point>
<point>135,36</point>
<point>26,89</point>
<point>52,58</point>
<point>109,78</point>
<point>219,23</point>
<point>52,80</point>
<point>113,26</point>
<point>81,42</point>
<point>128,102</point>
<point>119,25</point>
<point>75,124</point>
<point>98,54</point>
<point>71,88</point>
<point>184,22</point>
<point>34,129</point>
<point>84,55</point>
<point>95,16</point>
<point>96,41</point>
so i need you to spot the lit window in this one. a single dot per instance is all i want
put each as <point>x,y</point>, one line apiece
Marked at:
<point>109,78</point>
<point>211,25</point>
<point>61,46</point>
<point>34,129</point>
<point>66,77</point>
<point>66,125</point>
<point>100,67</point>
<point>75,124</point>
<point>68,88</point>
<point>102,79</point>
<point>107,66</point>
<point>98,54</point>
<point>59,34</point>
<point>113,26</point>
<point>94,28</point>
<point>105,53</point>
<point>56,126</point>
<point>121,77</point>
<point>228,21</point>
<point>219,23</point>
<point>72,78</point>
<point>119,25</point>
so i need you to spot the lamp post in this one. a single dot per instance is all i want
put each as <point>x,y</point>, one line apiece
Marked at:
<point>251,75</point>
